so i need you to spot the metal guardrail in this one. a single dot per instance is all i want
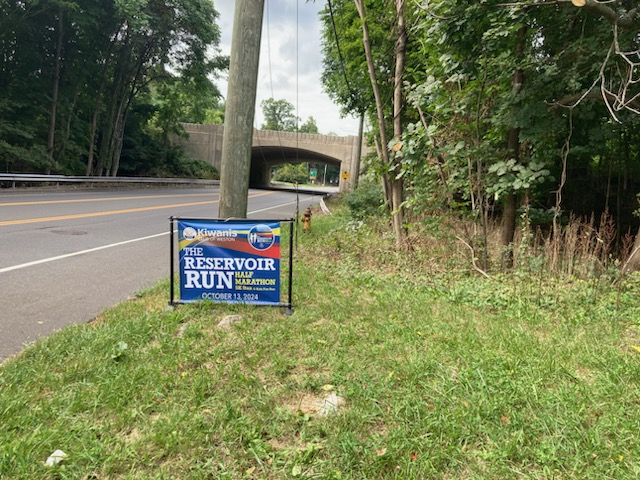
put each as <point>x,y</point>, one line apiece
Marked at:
<point>25,178</point>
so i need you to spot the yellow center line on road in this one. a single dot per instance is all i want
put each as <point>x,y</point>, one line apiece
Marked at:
<point>113,212</point>
<point>104,199</point>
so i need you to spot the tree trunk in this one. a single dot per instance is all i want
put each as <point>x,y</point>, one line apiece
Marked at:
<point>397,183</point>
<point>117,146</point>
<point>116,141</point>
<point>483,211</point>
<point>123,114</point>
<point>509,219</point>
<point>355,165</point>
<point>111,122</point>
<point>394,184</point>
<point>106,138</point>
<point>386,187</point>
<point>98,103</point>
<point>67,130</point>
<point>384,144</point>
<point>53,112</point>
<point>92,133</point>
<point>513,150</point>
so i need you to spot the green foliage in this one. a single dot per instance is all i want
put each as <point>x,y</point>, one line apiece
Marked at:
<point>146,152</point>
<point>278,115</point>
<point>310,126</point>
<point>19,149</point>
<point>182,166</point>
<point>365,201</point>
<point>344,73</point>
<point>179,100</point>
<point>509,176</point>
<point>487,85</point>
<point>292,173</point>
<point>111,57</point>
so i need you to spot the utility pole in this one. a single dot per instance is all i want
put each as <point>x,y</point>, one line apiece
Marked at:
<point>240,109</point>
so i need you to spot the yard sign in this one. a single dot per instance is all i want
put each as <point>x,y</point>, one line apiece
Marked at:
<point>229,261</point>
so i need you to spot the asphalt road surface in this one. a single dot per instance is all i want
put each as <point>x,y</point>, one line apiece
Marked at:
<point>67,255</point>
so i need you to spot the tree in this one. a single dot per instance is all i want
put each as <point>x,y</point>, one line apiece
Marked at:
<point>81,68</point>
<point>493,115</point>
<point>344,73</point>
<point>392,178</point>
<point>310,126</point>
<point>278,115</point>
<point>365,79</point>
<point>292,173</point>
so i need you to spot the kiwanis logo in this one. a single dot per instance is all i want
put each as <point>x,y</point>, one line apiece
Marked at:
<point>210,234</point>
<point>189,233</point>
<point>261,237</point>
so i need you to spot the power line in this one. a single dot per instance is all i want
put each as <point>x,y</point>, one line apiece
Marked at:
<point>340,57</point>
<point>297,81</point>
<point>284,157</point>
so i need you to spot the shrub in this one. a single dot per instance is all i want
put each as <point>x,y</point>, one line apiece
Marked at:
<point>365,201</point>
<point>195,168</point>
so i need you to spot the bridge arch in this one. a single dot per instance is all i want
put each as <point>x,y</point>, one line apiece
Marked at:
<point>272,148</point>
<point>263,159</point>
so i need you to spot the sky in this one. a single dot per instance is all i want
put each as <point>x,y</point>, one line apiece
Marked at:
<point>290,62</point>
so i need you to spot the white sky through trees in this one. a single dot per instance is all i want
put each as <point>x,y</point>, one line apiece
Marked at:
<point>283,42</point>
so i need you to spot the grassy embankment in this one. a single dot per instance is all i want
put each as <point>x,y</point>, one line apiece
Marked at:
<point>444,374</point>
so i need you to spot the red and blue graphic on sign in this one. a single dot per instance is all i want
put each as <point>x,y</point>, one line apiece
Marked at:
<point>236,262</point>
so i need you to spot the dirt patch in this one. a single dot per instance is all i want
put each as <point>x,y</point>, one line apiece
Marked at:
<point>316,406</point>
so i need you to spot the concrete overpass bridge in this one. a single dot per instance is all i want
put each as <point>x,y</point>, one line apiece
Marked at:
<point>272,148</point>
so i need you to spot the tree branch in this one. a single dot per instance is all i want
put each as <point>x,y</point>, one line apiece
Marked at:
<point>626,20</point>
<point>572,100</point>
<point>473,259</point>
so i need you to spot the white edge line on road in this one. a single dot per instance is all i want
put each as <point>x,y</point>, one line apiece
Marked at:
<point>104,247</point>
<point>68,255</point>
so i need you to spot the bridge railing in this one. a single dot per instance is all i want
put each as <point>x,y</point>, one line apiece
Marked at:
<point>14,179</point>
<point>258,133</point>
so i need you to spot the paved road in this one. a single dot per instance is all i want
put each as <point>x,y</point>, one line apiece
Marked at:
<point>65,256</point>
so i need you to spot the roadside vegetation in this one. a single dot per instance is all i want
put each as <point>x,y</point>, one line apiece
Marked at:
<point>442,371</point>
<point>493,108</point>
<point>101,87</point>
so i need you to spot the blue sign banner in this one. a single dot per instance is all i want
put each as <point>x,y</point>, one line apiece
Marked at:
<point>234,262</point>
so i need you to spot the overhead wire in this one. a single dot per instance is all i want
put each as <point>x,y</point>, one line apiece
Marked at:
<point>297,80</point>
<point>264,157</point>
<point>269,66</point>
<point>340,56</point>
<point>297,113</point>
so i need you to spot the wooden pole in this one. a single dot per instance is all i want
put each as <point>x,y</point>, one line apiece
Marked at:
<point>240,109</point>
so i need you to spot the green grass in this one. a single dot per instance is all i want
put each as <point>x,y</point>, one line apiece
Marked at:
<point>445,375</point>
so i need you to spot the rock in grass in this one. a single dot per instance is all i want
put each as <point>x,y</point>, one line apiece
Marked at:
<point>331,404</point>
<point>55,458</point>
<point>229,320</point>
<point>318,406</point>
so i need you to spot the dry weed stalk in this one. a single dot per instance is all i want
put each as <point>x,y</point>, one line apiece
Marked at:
<point>579,248</point>
<point>582,247</point>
